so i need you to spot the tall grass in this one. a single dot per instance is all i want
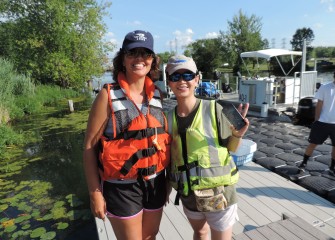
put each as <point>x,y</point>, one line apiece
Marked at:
<point>19,96</point>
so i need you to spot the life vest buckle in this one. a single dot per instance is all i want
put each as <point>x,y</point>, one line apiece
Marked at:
<point>147,152</point>
<point>147,171</point>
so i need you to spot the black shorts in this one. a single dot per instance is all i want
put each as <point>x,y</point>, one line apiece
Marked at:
<point>320,131</point>
<point>128,199</point>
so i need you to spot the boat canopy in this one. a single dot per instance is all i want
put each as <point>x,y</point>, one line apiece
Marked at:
<point>269,53</point>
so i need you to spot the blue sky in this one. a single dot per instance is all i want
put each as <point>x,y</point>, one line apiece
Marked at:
<point>176,23</point>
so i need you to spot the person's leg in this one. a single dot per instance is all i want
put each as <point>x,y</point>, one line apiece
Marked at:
<point>124,208</point>
<point>332,162</point>
<point>318,134</point>
<point>198,223</point>
<point>150,223</point>
<point>219,235</point>
<point>221,223</point>
<point>200,229</point>
<point>308,152</point>
<point>129,228</point>
<point>154,200</point>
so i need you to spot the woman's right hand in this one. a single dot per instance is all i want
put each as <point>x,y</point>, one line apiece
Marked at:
<point>98,205</point>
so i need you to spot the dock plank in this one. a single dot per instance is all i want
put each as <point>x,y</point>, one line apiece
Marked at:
<point>263,197</point>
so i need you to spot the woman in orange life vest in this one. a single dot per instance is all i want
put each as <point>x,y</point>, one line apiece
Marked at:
<point>126,147</point>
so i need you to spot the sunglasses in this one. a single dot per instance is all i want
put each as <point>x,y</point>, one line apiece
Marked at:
<point>139,53</point>
<point>175,77</point>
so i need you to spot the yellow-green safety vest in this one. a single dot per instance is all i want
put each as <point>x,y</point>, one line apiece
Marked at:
<point>208,164</point>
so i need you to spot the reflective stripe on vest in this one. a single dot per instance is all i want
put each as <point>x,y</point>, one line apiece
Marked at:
<point>121,103</point>
<point>209,164</point>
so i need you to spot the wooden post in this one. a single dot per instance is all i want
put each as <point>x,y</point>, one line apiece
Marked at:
<point>71,105</point>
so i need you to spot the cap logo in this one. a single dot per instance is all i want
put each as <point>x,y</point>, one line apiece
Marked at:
<point>140,37</point>
<point>180,61</point>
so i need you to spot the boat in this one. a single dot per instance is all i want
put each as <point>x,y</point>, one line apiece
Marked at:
<point>287,88</point>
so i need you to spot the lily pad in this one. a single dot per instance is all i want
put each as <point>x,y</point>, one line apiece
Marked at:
<point>26,226</point>
<point>22,218</point>
<point>59,212</point>
<point>62,225</point>
<point>10,229</point>
<point>38,232</point>
<point>48,236</point>
<point>47,217</point>
<point>3,207</point>
<point>59,204</point>
<point>18,234</point>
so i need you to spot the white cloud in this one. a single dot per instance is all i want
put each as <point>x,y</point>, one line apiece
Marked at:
<point>212,35</point>
<point>134,23</point>
<point>329,3</point>
<point>318,25</point>
<point>181,40</point>
<point>110,37</point>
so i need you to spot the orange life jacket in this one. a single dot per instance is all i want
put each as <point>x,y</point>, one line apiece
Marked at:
<point>140,144</point>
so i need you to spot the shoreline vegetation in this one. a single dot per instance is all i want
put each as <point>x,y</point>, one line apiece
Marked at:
<point>19,97</point>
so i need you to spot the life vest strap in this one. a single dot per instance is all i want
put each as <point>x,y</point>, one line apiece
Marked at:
<point>179,192</point>
<point>187,166</point>
<point>234,171</point>
<point>140,134</point>
<point>142,153</point>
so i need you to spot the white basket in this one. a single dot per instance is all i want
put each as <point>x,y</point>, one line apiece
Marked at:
<point>245,152</point>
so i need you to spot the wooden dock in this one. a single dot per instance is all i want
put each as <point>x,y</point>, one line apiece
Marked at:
<point>264,197</point>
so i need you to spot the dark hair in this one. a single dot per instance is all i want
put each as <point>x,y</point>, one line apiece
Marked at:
<point>118,64</point>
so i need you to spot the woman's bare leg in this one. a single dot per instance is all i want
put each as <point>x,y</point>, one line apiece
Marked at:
<point>225,235</point>
<point>200,229</point>
<point>150,223</point>
<point>128,229</point>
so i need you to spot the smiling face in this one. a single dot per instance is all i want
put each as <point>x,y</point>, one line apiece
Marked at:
<point>183,88</point>
<point>138,62</point>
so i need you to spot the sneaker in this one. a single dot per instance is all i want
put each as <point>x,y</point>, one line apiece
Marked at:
<point>331,172</point>
<point>302,167</point>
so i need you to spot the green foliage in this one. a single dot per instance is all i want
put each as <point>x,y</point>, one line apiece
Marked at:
<point>207,53</point>
<point>324,52</point>
<point>299,37</point>
<point>244,34</point>
<point>18,97</point>
<point>56,41</point>
<point>164,57</point>
<point>12,86</point>
<point>8,137</point>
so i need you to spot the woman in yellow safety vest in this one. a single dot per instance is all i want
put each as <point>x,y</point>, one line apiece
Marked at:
<point>202,170</point>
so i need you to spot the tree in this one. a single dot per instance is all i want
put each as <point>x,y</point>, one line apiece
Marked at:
<point>324,52</point>
<point>55,41</point>
<point>244,34</point>
<point>299,37</point>
<point>207,54</point>
<point>164,57</point>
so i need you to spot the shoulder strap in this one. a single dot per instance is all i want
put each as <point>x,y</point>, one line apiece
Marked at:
<point>109,86</point>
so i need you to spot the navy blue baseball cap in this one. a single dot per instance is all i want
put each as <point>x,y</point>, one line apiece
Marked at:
<point>138,39</point>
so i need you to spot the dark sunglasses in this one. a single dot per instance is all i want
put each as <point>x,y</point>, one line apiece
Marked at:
<point>139,53</point>
<point>175,77</point>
